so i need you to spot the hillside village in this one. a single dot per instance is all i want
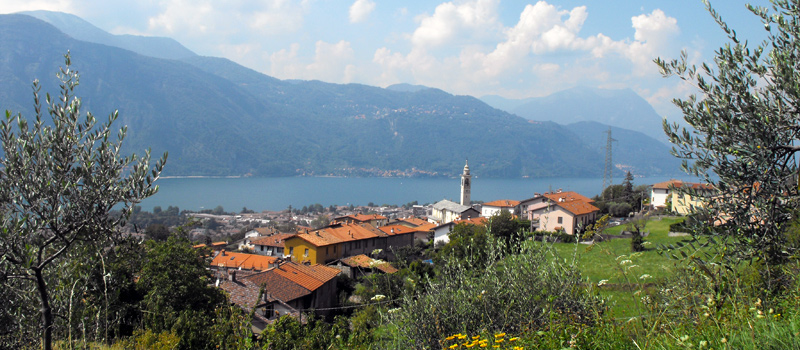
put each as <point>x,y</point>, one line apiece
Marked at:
<point>271,273</point>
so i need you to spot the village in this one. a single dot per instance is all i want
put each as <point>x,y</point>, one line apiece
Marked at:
<point>271,272</point>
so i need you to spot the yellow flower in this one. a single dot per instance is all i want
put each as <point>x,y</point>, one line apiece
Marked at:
<point>514,339</point>
<point>476,337</point>
<point>453,346</point>
<point>500,335</point>
<point>499,340</point>
<point>450,337</point>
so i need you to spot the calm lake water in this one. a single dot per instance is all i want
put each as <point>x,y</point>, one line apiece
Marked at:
<point>278,193</point>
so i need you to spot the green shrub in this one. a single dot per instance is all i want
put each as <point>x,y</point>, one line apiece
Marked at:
<point>520,292</point>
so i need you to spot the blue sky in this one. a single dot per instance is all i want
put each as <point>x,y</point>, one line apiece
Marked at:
<point>514,49</point>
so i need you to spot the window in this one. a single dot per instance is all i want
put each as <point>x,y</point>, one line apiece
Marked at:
<point>291,250</point>
<point>306,253</point>
<point>327,250</point>
<point>560,220</point>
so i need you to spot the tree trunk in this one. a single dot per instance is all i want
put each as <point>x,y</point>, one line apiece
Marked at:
<point>47,312</point>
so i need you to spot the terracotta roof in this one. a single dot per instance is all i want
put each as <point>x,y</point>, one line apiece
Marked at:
<point>361,217</point>
<point>428,226</point>
<point>201,245</point>
<point>320,272</point>
<point>243,260</point>
<point>275,240</point>
<point>243,292</point>
<point>578,207</point>
<point>415,221</point>
<point>278,286</point>
<point>338,233</point>
<point>393,230</point>
<point>303,277</point>
<point>502,203</point>
<point>680,184</point>
<point>265,231</point>
<point>366,262</point>
<point>567,196</point>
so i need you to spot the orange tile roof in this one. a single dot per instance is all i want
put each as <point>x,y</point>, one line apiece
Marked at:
<point>308,277</point>
<point>275,240</point>
<point>578,207</point>
<point>243,260</point>
<point>415,221</point>
<point>679,184</point>
<point>278,286</point>
<point>393,230</point>
<point>568,196</point>
<point>502,203</point>
<point>340,232</point>
<point>428,226</point>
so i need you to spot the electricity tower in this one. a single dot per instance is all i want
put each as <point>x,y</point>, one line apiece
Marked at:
<point>608,177</point>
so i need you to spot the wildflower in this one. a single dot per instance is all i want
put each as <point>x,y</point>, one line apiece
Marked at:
<point>450,337</point>
<point>453,346</point>
<point>626,262</point>
<point>758,302</point>
<point>499,340</point>
<point>378,297</point>
<point>685,338</point>
<point>391,311</point>
<point>476,337</point>
<point>645,276</point>
<point>632,266</point>
<point>703,343</point>
<point>723,340</point>
<point>514,339</point>
<point>500,335</point>
<point>602,282</point>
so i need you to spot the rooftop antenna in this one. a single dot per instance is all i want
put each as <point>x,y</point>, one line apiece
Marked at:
<point>608,177</point>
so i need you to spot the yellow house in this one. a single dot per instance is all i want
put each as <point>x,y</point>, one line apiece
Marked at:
<point>681,202</point>
<point>334,242</point>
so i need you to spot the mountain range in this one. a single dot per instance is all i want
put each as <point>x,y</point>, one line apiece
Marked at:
<point>217,118</point>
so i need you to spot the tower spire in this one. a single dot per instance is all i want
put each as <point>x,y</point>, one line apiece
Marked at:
<point>466,185</point>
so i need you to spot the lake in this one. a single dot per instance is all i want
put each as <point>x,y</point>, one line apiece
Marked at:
<point>278,193</point>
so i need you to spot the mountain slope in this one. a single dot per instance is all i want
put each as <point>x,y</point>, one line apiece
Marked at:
<point>218,118</point>
<point>79,29</point>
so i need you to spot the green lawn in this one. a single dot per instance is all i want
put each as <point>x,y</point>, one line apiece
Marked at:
<point>613,262</point>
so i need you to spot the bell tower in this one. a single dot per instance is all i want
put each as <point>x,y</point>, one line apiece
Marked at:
<point>466,184</point>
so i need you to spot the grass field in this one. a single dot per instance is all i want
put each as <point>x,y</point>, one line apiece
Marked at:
<point>621,272</point>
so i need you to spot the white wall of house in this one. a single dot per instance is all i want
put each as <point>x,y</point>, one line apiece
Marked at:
<point>488,211</point>
<point>554,217</point>
<point>659,197</point>
<point>441,234</point>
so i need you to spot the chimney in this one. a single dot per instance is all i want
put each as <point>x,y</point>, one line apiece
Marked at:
<point>392,230</point>
<point>223,252</point>
<point>232,276</point>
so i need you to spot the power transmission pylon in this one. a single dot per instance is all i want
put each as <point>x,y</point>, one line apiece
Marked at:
<point>608,177</point>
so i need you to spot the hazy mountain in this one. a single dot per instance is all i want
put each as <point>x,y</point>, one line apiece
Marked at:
<point>406,87</point>
<point>216,117</point>
<point>77,28</point>
<point>620,108</point>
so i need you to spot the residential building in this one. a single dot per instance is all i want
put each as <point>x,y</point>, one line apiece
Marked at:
<point>446,211</point>
<point>441,233</point>
<point>561,211</point>
<point>254,234</point>
<point>288,288</point>
<point>271,245</point>
<point>669,193</point>
<point>495,207</point>
<point>334,242</point>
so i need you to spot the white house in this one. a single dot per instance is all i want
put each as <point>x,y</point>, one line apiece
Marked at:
<point>495,207</point>
<point>446,211</point>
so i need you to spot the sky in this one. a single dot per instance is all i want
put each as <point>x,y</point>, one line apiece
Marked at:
<point>514,49</point>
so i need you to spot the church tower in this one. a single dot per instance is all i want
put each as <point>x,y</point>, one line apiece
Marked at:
<point>466,185</point>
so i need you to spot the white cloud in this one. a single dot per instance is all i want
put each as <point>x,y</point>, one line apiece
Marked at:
<point>332,63</point>
<point>450,21</point>
<point>464,44</point>
<point>31,5</point>
<point>360,10</point>
<point>226,19</point>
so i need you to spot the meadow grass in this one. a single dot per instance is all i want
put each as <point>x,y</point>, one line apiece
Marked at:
<point>611,261</point>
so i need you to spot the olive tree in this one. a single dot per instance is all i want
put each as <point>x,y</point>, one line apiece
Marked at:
<point>61,177</point>
<point>744,134</point>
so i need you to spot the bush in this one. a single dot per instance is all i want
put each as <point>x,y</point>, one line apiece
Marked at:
<point>521,292</point>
